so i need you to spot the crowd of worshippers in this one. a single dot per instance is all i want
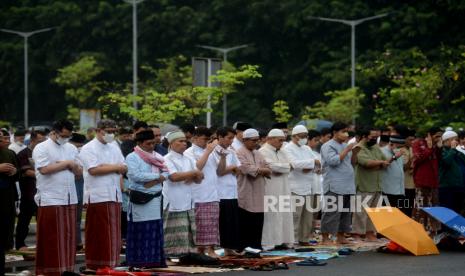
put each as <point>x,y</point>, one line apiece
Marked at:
<point>199,189</point>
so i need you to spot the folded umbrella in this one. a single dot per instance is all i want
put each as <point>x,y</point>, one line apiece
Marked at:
<point>447,217</point>
<point>401,229</point>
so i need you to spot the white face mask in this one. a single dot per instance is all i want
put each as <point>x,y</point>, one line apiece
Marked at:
<point>61,141</point>
<point>108,138</point>
<point>303,141</point>
<point>19,143</point>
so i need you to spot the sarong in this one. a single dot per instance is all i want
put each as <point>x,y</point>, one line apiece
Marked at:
<point>103,235</point>
<point>56,239</point>
<point>144,244</point>
<point>179,230</point>
<point>207,217</point>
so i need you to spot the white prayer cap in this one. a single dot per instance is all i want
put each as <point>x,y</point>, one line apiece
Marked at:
<point>250,133</point>
<point>449,129</point>
<point>174,136</point>
<point>276,133</point>
<point>449,134</point>
<point>299,129</point>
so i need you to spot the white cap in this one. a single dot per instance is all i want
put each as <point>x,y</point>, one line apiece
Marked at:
<point>250,133</point>
<point>172,136</point>
<point>449,134</point>
<point>276,133</point>
<point>299,129</point>
<point>449,128</point>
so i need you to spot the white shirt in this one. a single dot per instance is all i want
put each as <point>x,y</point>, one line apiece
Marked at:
<point>236,144</point>
<point>461,148</point>
<point>101,188</point>
<point>227,184</point>
<point>16,148</point>
<point>317,187</point>
<point>301,157</point>
<point>207,190</point>
<point>178,194</point>
<point>56,188</point>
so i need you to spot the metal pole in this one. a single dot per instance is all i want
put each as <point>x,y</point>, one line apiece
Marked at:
<point>225,97</point>
<point>134,52</point>
<point>352,24</point>
<point>26,83</point>
<point>209,84</point>
<point>225,52</point>
<point>352,55</point>
<point>26,36</point>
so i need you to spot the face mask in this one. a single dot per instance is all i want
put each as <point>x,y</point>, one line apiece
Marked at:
<point>61,141</point>
<point>108,138</point>
<point>19,143</point>
<point>396,150</point>
<point>302,142</point>
<point>384,138</point>
<point>371,142</point>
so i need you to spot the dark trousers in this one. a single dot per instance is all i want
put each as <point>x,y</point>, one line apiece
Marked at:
<point>251,227</point>
<point>229,224</point>
<point>452,198</point>
<point>409,201</point>
<point>7,221</point>
<point>27,209</point>
<point>124,224</point>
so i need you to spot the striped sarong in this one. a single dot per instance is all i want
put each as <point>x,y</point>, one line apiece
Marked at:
<point>179,230</point>
<point>207,216</point>
<point>56,239</point>
<point>103,235</point>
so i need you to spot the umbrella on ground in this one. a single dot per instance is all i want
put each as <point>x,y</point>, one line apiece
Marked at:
<point>447,217</point>
<point>401,229</point>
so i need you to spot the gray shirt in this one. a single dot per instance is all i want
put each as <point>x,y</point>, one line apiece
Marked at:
<point>392,178</point>
<point>338,176</point>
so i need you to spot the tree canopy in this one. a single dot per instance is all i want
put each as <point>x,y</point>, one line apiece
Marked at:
<point>300,59</point>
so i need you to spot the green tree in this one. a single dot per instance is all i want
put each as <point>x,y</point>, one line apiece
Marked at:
<point>343,106</point>
<point>417,91</point>
<point>81,87</point>
<point>281,111</point>
<point>171,96</point>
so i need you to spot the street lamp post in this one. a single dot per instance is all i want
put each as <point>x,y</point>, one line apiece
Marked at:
<point>26,36</point>
<point>134,47</point>
<point>352,24</point>
<point>225,52</point>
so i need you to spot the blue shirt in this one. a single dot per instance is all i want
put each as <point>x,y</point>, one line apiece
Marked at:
<point>338,176</point>
<point>139,173</point>
<point>392,178</point>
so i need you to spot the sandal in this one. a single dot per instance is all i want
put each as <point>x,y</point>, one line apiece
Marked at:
<point>311,262</point>
<point>345,251</point>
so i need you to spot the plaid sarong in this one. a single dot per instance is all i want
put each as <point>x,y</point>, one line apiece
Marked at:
<point>207,216</point>
<point>56,239</point>
<point>103,235</point>
<point>179,230</point>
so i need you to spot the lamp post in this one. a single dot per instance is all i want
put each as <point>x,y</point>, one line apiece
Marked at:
<point>352,24</point>
<point>26,36</point>
<point>225,52</point>
<point>134,47</point>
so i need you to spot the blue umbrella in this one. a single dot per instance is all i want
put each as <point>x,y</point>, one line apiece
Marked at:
<point>316,124</point>
<point>447,217</point>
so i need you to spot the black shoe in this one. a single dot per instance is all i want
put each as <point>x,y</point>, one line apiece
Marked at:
<point>198,259</point>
